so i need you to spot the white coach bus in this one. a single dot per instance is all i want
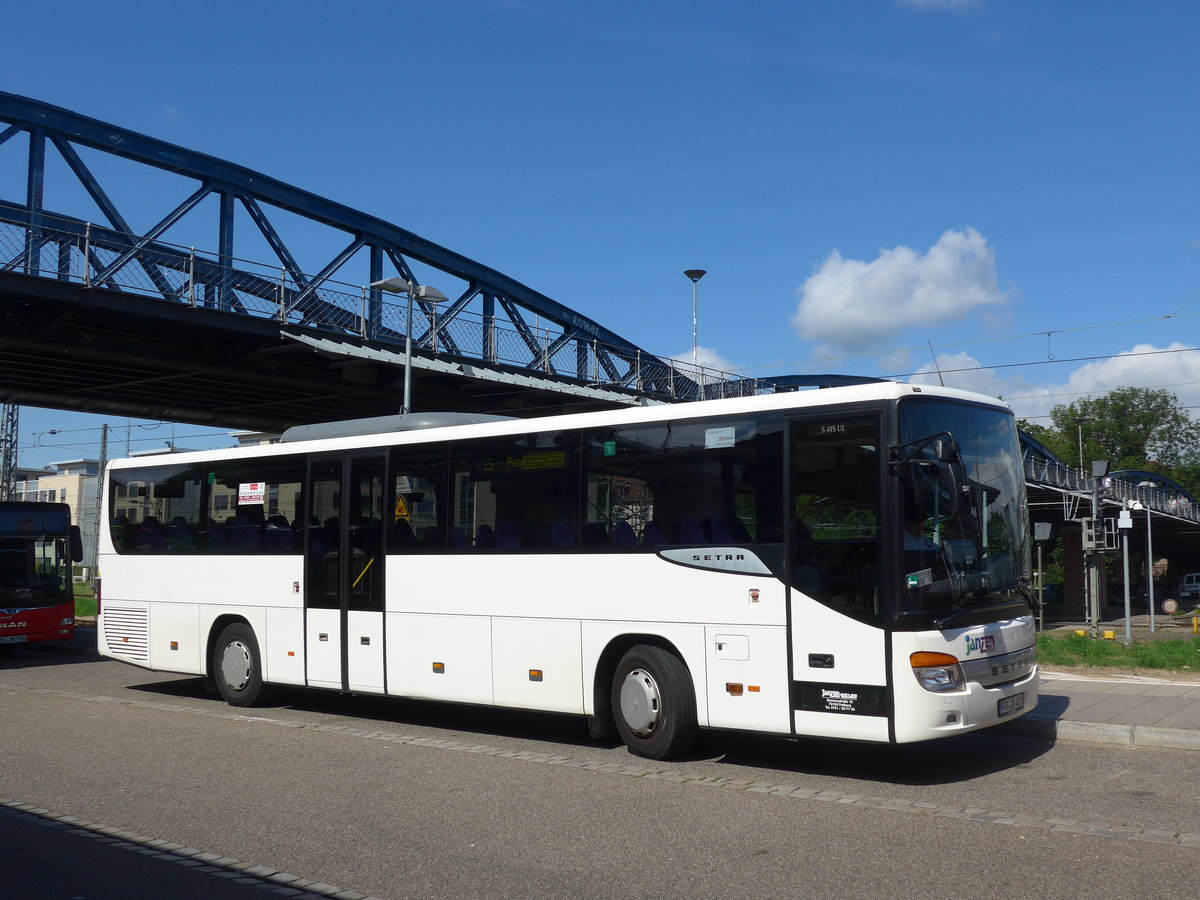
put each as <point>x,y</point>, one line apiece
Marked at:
<point>851,562</point>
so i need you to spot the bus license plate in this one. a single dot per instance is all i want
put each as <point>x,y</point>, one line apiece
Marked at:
<point>1010,705</point>
<point>12,639</point>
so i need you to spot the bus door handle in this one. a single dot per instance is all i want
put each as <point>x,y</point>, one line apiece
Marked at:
<point>820,660</point>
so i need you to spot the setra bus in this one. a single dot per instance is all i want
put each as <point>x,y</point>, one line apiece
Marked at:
<point>851,563</point>
<point>38,544</point>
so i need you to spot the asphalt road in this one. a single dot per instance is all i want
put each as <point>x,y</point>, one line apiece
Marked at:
<point>398,799</point>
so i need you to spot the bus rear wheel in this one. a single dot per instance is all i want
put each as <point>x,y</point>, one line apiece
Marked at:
<point>237,666</point>
<point>653,703</point>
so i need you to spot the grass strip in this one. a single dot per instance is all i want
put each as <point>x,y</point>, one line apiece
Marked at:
<point>1172,655</point>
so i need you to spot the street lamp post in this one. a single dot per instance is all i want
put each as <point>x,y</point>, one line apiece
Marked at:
<point>423,292</point>
<point>1124,523</point>
<point>1095,555</point>
<point>1149,485</point>
<point>695,275</point>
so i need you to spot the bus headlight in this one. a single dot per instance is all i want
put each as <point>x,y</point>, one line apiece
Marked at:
<point>938,672</point>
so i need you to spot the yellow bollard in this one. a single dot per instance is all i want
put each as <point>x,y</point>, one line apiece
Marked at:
<point>1195,623</point>
<point>1110,635</point>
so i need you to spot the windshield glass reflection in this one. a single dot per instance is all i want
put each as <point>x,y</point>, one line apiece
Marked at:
<point>962,504</point>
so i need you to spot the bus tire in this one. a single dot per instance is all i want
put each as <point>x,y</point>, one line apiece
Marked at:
<point>237,666</point>
<point>654,703</point>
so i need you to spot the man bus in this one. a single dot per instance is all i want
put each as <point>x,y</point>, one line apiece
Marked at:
<point>38,544</point>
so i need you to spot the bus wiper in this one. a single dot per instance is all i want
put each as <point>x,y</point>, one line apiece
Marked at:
<point>993,603</point>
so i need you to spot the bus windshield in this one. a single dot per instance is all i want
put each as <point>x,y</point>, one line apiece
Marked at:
<point>34,556</point>
<point>963,531</point>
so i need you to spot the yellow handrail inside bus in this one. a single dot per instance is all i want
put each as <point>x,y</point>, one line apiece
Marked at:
<point>362,573</point>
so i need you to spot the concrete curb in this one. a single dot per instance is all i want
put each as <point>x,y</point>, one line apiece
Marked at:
<point>1051,729</point>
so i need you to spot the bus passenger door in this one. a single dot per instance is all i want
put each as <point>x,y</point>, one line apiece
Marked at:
<point>840,681</point>
<point>344,573</point>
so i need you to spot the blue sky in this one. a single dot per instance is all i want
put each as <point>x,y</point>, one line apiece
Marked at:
<point>1012,182</point>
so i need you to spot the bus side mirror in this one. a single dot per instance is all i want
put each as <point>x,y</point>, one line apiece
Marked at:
<point>76,544</point>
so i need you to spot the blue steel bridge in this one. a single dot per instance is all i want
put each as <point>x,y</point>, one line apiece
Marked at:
<point>98,315</point>
<point>101,316</point>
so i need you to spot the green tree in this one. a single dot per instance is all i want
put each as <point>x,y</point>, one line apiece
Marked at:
<point>1061,445</point>
<point>1133,428</point>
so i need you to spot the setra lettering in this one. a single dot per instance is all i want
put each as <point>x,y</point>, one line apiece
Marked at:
<point>718,557</point>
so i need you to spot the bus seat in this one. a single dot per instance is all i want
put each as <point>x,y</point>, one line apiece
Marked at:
<point>180,536</point>
<point>506,535</point>
<point>739,532</point>
<point>652,536</point>
<point>561,535</point>
<point>244,536</point>
<point>484,536</point>
<point>278,535</point>
<point>148,538</point>
<point>717,533</point>
<point>213,536</point>
<point>690,532</point>
<point>622,535</point>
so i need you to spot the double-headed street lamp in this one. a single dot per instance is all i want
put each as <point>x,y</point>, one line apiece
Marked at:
<point>423,292</point>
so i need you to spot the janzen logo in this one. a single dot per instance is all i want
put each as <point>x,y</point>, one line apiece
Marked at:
<point>984,644</point>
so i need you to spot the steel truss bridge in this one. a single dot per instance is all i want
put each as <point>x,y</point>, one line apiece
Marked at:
<point>107,317</point>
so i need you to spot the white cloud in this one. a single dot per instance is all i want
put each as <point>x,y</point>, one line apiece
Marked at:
<point>855,304</point>
<point>1175,368</point>
<point>706,357</point>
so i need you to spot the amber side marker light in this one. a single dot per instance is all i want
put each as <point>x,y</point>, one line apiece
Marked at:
<point>439,668</point>
<point>735,690</point>
<point>535,674</point>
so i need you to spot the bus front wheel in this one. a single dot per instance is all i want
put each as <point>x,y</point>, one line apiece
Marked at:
<point>653,702</point>
<point>237,666</point>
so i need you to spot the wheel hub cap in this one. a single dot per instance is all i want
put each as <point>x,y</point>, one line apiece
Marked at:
<point>235,665</point>
<point>640,702</point>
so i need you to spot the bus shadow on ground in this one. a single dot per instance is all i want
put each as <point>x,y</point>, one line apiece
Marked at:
<point>945,761</point>
<point>459,721</point>
<point>80,649</point>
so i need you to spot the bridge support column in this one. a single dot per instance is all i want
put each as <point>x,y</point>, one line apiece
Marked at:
<point>1074,571</point>
<point>35,188</point>
<point>489,327</point>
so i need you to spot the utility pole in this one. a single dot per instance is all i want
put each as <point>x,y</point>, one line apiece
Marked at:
<point>8,450</point>
<point>1095,559</point>
<point>94,561</point>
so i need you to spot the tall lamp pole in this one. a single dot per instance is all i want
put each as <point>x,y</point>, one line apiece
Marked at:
<point>422,292</point>
<point>695,275</point>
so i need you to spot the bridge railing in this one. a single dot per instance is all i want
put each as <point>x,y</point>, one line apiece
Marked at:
<point>72,250</point>
<point>1112,490</point>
